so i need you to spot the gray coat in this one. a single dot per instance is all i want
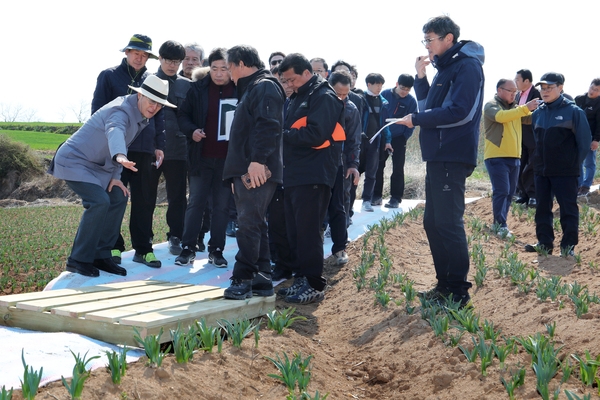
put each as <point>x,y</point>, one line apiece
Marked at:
<point>87,156</point>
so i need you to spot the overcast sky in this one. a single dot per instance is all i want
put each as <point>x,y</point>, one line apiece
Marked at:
<point>52,51</point>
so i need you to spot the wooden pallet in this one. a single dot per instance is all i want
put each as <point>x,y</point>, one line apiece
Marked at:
<point>110,312</point>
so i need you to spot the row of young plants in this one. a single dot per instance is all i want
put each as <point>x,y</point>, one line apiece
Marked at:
<point>385,279</point>
<point>450,322</point>
<point>294,372</point>
<point>545,358</point>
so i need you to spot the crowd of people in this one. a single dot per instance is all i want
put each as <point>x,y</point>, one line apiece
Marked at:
<point>273,156</point>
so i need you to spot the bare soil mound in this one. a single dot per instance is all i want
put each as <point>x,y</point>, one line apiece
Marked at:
<point>363,350</point>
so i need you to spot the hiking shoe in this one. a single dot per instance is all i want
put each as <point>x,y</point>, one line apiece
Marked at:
<point>583,191</point>
<point>376,202</point>
<point>434,294</point>
<point>262,285</point>
<point>305,294</point>
<point>292,290</point>
<point>366,206</point>
<point>175,245</point>
<point>537,248</point>
<point>341,257</point>
<point>216,258</point>
<point>240,289</point>
<point>393,203</point>
<point>82,268</point>
<point>187,256</point>
<point>116,255</point>
<point>149,259</point>
<point>200,246</point>
<point>532,203</point>
<point>279,273</point>
<point>231,228</point>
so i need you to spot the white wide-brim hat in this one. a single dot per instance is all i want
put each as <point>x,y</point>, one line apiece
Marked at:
<point>155,89</point>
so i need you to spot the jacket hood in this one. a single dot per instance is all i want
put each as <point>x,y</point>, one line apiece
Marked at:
<point>244,84</point>
<point>462,49</point>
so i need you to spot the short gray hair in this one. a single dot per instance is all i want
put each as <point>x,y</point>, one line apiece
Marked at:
<point>197,48</point>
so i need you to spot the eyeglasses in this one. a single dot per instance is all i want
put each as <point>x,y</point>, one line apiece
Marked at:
<point>154,103</point>
<point>547,88</point>
<point>404,88</point>
<point>275,62</point>
<point>318,71</point>
<point>509,91</point>
<point>172,62</point>
<point>428,41</point>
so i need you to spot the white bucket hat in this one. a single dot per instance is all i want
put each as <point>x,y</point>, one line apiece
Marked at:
<point>155,89</point>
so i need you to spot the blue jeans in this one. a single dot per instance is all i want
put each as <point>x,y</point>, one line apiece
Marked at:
<point>564,188</point>
<point>588,169</point>
<point>444,225</point>
<point>208,184</point>
<point>504,173</point>
<point>100,223</point>
<point>252,239</point>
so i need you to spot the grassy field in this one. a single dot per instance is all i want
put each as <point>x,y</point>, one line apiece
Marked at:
<point>36,241</point>
<point>36,140</point>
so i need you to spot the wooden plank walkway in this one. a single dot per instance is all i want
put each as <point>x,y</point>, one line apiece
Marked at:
<point>109,312</point>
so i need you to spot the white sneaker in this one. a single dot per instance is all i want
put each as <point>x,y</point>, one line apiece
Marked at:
<point>341,257</point>
<point>366,206</point>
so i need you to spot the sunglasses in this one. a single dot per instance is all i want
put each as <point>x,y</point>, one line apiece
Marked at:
<point>275,62</point>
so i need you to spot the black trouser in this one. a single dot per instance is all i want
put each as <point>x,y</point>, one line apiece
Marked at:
<point>143,186</point>
<point>336,213</point>
<point>305,208</point>
<point>175,172</point>
<point>252,239</point>
<point>397,178</point>
<point>444,225</point>
<point>565,190</point>
<point>278,241</point>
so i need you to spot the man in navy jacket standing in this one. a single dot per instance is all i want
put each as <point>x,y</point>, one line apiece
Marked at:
<point>449,116</point>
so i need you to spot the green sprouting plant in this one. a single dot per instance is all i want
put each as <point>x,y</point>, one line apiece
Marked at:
<point>31,379</point>
<point>454,340</point>
<point>565,251</point>
<point>382,297</point>
<point>517,379</point>
<point>578,258</point>
<point>489,333</point>
<point>440,324</point>
<point>237,331</point>
<point>6,394</point>
<point>502,351</point>
<point>466,318</point>
<point>117,364</point>
<point>480,274</point>
<point>545,367</point>
<point>593,265</point>
<point>572,396</point>
<point>556,225</point>
<point>588,367</point>
<point>281,320</point>
<point>151,346</point>
<point>184,344</point>
<point>576,288</point>
<point>409,291</point>
<point>256,336</point>
<point>294,372</point>
<point>80,375</point>
<point>206,335</point>
<point>551,329</point>
<point>219,342</point>
<point>567,369</point>
<point>485,351</point>
<point>306,396</point>
<point>581,303</point>
<point>530,215</point>
<point>472,354</point>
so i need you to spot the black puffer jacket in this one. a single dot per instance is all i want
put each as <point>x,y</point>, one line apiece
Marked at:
<point>256,128</point>
<point>303,164</point>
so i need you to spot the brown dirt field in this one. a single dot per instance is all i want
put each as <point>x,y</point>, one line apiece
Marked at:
<point>362,350</point>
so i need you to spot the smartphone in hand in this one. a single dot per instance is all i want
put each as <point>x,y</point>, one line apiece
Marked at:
<point>248,182</point>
